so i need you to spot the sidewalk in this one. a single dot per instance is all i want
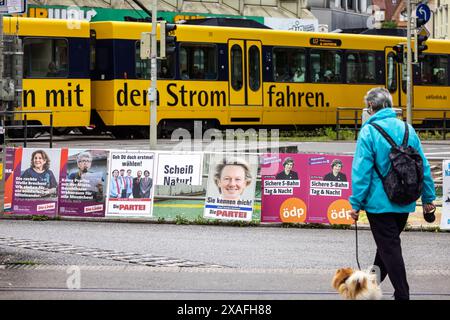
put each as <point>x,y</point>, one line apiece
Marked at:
<point>415,220</point>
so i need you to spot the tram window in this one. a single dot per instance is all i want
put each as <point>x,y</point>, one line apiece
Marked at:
<point>391,73</point>
<point>254,68</point>
<point>45,58</point>
<point>326,66</point>
<point>289,64</point>
<point>198,61</point>
<point>434,70</point>
<point>361,67</point>
<point>236,68</point>
<point>143,70</point>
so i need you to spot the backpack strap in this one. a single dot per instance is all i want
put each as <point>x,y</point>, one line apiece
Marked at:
<point>385,135</point>
<point>406,136</point>
<point>389,139</point>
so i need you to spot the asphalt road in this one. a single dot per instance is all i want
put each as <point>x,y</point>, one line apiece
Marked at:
<point>199,262</point>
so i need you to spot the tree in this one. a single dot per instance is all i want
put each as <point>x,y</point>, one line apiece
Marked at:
<point>389,25</point>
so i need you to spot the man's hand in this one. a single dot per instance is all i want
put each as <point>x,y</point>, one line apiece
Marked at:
<point>354,214</point>
<point>428,207</point>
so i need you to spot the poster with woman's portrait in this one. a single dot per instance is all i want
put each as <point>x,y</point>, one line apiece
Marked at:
<point>329,188</point>
<point>306,188</point>
<point>285,188</point>
<point>230,193</point>
<point>35,181</point>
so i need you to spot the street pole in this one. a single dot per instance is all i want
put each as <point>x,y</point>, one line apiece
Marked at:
<point>153,90</point>
<point>408,65</point>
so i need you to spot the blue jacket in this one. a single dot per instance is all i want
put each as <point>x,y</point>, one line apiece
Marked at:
<point>367,189</point>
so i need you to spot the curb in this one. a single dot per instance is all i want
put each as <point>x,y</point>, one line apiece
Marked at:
<point>365,226</point>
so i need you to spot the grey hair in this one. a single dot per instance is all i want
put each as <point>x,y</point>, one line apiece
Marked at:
<point>378,98</point>
<point>83,155</point>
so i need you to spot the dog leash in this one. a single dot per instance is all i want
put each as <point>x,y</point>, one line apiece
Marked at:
<point>356,234</point>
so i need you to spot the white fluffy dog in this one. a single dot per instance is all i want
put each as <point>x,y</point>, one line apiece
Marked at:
<point>356,285</point>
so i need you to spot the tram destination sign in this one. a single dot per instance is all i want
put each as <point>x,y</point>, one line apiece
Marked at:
<point>323,42</point>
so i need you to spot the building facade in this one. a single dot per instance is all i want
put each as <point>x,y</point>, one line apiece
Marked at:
<point>342,14</point>
<point>277,14</point>
<point>441,19</point>
<point>395,11</point>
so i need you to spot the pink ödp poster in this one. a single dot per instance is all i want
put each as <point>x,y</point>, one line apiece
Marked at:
<point>306,188</point>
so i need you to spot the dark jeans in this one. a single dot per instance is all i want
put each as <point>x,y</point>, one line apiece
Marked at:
<point>386,229</point>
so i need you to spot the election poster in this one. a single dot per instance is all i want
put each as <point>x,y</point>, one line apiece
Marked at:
<point>83,182</point>
<point>285,188</point>
<point>131,184</point>
<point>34,181</point>
<point>445,217</point>
<point>230,192</point>
<point>329,188</point>
<point>9,177</point>
<point>179,168</point>
<point>306,188</point>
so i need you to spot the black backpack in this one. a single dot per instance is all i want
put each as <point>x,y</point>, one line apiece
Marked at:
<point>403,183</point>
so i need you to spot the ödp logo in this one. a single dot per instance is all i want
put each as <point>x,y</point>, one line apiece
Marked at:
<point>339,212</point>
<point>293,210</point>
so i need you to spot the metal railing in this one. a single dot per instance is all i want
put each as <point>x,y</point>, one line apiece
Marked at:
<point>356,120</point>
<point>352,118</point>
<point>9,121</point>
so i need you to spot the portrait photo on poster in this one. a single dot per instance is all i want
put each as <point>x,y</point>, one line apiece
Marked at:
<point>288,172</point>
<point>39,174</point>
<point>86,173</point>
<point>126,184</point>
<point>335,174</point>
<point>231,187</point>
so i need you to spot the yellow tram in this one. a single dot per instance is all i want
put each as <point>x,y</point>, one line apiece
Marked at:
<point>222,76</point>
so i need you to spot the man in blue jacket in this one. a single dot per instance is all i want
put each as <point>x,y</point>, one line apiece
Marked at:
<point>387,219</point>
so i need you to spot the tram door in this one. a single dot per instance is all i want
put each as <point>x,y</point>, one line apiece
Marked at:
<point>245,81</point>
<point>396,79</point>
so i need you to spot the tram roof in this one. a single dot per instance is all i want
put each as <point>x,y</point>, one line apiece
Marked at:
<point>270,37</point>
<point>46,27</point>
